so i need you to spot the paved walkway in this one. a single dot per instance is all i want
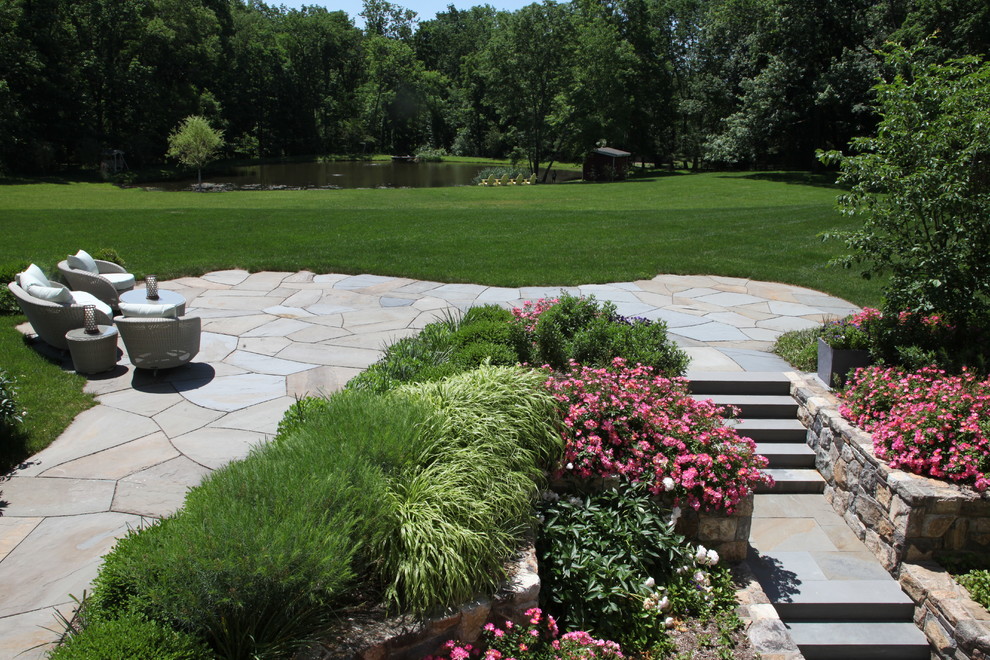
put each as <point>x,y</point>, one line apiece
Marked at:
<point>268,338</point>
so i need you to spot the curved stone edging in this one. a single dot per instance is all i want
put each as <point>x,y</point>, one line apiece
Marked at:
<point>407,637</point>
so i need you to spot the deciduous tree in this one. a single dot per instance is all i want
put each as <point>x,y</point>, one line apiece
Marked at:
<point>922,186</point>
<point>195,143</point>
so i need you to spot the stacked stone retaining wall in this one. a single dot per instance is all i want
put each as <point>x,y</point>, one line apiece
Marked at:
<point>957,627</point>
<point>906,521</point>
<point>900,516</point>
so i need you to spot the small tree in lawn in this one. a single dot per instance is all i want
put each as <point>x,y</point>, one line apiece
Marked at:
<point>194,143</point>
<point>922,185</point>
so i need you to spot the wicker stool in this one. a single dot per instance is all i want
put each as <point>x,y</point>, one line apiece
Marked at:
<point>93,354</point>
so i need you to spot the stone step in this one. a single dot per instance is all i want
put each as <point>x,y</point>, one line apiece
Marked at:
<point>739,382</point>
<point>771,430</point>
<point>787,454</point>
<point>756,406</point>
<point>793,480</point>
<point>840,600</point>
<point>862,641</point>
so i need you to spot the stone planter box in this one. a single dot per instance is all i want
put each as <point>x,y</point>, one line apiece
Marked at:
<point>901,517</point>
<point>956,625</point>
<point>835,363</point>
<point>726,533</point>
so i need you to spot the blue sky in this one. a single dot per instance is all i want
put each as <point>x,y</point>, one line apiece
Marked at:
<point>426,9</point>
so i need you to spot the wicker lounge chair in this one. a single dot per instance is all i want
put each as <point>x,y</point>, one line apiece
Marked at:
<point>159,343</point>
<point>107,284</point>
<point>51,320</point>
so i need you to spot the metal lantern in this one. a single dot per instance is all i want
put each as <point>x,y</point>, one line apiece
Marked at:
<point>89,319</point>
<point>151,284</point>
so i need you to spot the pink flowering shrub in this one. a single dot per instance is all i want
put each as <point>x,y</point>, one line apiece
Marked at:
<point>538,639</point>
<point>911,340</point>
<point>926,422</point>
<point>530,312</point>
<point>630,422</point>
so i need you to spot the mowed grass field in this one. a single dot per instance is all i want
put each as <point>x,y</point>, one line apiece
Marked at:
<point>762,226</point>
<point>756,225</point>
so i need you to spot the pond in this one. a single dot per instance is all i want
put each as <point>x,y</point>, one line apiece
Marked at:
<point>342,174</point>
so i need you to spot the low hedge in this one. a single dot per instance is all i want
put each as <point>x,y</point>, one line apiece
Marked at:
<point>548,331</point>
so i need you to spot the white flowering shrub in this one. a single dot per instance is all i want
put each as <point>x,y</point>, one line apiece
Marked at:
<point>611,564</point>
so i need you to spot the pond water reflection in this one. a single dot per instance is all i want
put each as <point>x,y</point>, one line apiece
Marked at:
<point>342,174</point>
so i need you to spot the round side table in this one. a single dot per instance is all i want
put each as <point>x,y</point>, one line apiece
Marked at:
<point>93,354</point>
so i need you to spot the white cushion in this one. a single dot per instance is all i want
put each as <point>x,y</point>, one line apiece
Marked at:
<point>82,261</point>
<point>32,275</point>
<point>86,298</point>
<point>145,310</point>
<point>120,281</point>
<point>57,293</point>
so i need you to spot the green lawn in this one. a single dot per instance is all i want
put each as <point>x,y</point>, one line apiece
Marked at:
<point>51,396</point>
<point>762,226</point>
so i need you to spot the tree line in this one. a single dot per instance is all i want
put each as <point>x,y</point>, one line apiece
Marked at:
<point>745,83</point>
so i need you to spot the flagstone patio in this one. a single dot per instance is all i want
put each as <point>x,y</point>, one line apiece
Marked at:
<point>269,338</point>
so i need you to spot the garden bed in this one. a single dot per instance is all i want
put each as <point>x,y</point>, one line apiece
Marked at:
<point>375,636</point>
<point>902,517</point>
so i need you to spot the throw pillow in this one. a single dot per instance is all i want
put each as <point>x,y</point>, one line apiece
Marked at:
<point>82,261</point>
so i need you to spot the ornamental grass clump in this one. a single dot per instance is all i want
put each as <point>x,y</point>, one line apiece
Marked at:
<point>267,549</point>
<point>927,422</point>
<point>447,524</point>
<point>634,424</point>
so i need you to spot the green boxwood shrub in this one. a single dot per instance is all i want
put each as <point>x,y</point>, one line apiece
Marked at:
<point>580,329</point>
<point>447,347</point>
<point>8,303</point>
<point>131,636</point>
<point>11,413</point>
<point>593,333</point>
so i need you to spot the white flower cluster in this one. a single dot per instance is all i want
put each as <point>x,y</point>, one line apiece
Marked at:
<point>658,601</point>
<point>705,557</point>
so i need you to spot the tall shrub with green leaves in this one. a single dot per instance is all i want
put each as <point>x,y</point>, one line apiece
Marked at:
<point>11,413</point>
<point>593,333</point>
<point>922,185</point>
<point>8,302</point>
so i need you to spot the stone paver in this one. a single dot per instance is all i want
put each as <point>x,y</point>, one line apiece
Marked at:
<point>268,338</point>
